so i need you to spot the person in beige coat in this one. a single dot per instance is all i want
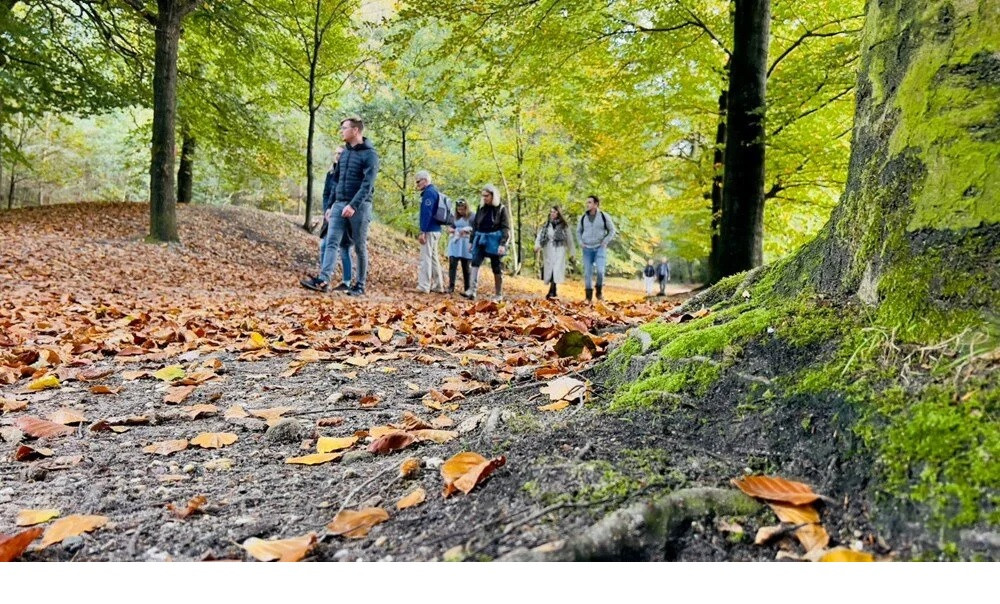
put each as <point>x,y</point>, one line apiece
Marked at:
<point>554,243</point>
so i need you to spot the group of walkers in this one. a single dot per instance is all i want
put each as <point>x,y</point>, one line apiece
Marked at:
<point>473,237</point>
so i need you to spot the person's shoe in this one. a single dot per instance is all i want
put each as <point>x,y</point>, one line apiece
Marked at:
<point>470,294</point>
<point>497,298</point>
<point>342,287</point>
<point>315,283</point>
<point>450,290</point>
<point>356,291</point>
<point>421,290</point>
<point>600,293</point>
<point>590,294</point>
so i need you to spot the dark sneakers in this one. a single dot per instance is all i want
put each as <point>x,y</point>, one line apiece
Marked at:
<point>315,283</point>
<point>355,291</point>
<point>342,287</point>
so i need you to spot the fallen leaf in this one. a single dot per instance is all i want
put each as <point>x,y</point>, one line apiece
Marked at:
<point>71,526</point>
<point>572,343</point>
<point>438,436</point>
<point>442,421</point>
<point>103,389</point>
<point>166,447</point>
<point>170,373</point>
<point>40,428</point>
<point>415,498</point>
<point>282,550</point>
<point>385,334</point>
<point>12,546</point>
<point>355,524</point>
<point>29,453</point>
<point>255,342</point>
<point>198,377</point>
<point>812,537</point>
<point>93,374</point>
<point>565,389</point>
<point>196,410</point>
<point>271,415</point>
<point>369,401</point>
<point>410,466</point>
<point>556,406</point>
<point>329,422</point>
<point>173,477</point>
<point>44,383</point>
<point>357,361</point>
<point>66,417</point>
<point>177,394</point>
<point>378,431</point>
<point>314,458</point>
<point>9,406</point>
<point>842,554</point>
<point>465,470</point>
<point>214,440</point>
<point>134,375</point>
<point>326,444</point>
<point>795,514</point>
<point>235,412</point>
<point>394,441</point>
<point>773,488</point>
<point>766,534</point>
<point>193,505</point>
<point>216,465</point>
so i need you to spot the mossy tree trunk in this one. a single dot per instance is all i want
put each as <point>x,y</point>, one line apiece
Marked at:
<point>916,234</point>
<point>185,172</point>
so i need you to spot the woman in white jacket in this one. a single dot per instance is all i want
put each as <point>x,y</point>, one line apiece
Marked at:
<point>555,243</point>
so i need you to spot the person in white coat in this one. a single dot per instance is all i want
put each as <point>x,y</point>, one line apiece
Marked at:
<point>554,243</point>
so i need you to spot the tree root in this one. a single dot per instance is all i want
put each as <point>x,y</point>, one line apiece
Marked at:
<point>641,530</point>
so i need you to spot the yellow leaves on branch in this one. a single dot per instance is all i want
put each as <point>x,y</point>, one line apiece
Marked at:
<point>214,440</point>
<point>355,524</point>
<point>465,470</point>
<point>71,526</point>
<point>282,550</point>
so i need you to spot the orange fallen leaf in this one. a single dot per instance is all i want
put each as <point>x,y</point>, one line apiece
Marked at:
<point>314,458</point>
<point>329,422</point>
<point>196,410</point>
<point>326,444</point>
<point>40,428</point>
<point>214,440</point>
<point>29,453</point>
<point>812,537</point>
<point>103,389</point>
<point>12,546</point>
<point>556,406</point>
<point>32,517</point>
<point>842,554</point>
<point>394,441</point>
<point>795,514</point>
<point>369,401</point>
<point>385,334</point>
<point>71,526</point>
<point>177,394</point>
<point>282,550</point>
<point>415,498</point>
<point>410,466</point>
<point>380,431</point>
<point>66,417</point>
<point>412,421</point>
<point>271,415</point>
<point>773,488</point>
<point>355,524</point>
<point>166,447</point>
<point>465,470</point>
<point>193,505</point>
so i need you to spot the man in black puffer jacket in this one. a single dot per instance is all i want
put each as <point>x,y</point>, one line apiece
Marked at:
<point>352,206</point>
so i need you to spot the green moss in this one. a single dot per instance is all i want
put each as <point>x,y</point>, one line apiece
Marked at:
<point>662,380</point>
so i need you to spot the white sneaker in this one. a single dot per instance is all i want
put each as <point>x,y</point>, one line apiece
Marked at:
<point>498,298</point>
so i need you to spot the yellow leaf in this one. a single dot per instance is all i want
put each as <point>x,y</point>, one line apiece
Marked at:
<point>170,373</point>
<point>380,431</point>
<point>45,382</point>
<point>271,415</point>
<point>30,517</point>
<point>255,342</point>
<point>327,444</point>
<point>842,554</point>
<point>355,524</point>
<point>71,526</point>
<point>465,470</point>
<point>415,498</point>
<point>556,406</point>
<point>385,334</point>
<point>166,447</point>
<point>314,459</point>
<point>214,440</point>
<point>283,550</point>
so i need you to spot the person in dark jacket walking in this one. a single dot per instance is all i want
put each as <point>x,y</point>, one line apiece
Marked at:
<point>663,275</point>
<point>352,205</point>
<point>490,234</point>
<point>649,276</point>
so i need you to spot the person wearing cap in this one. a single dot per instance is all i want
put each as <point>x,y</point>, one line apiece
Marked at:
<point>460,245</point>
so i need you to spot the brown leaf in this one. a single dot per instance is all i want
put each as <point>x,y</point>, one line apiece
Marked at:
<point>166,447</point>
<point>415,498</point>
<point>385,334</point>
<point>409,467</point>
<point>196,410</point>
<point>9,406</point>
<point>12,546</point>
<point>442,421</point>
<point>193,505</point>
<point>214,440</point>
<point>235,412</point>
<point>271,415</point>
<point>438,436</point>
<point>71,526</point>
<point>329,422</point>
<point>411,421</point>
<point>369,401</point>
<point>176,394</point>
<point>66,417</point>
<point>773,488</point>
<point>40,428</point>
<point>28,453</point>
<point>394,441</point>
<point>465,470</point>
<point>93,374</point>
<point>355,524</point>
<point>103,389</point>
<point>565,389</point>
<point>134,375</point>
<point>282,550</point>
<point>314,458</point>
<point>556,406</point>
<point>33,517</point>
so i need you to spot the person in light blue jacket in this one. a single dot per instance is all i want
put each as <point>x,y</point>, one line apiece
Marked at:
<point>460,245</point>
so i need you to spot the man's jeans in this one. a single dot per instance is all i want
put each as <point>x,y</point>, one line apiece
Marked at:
<point>430,275</point>
<point>359,226</point>
<point>594,257</point>
<point>345,259</point>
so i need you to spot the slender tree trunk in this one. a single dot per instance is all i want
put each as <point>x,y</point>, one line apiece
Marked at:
<point>309,158</point>
<point>718,158</point>
<point>741,229</point>
<point>185,173</point>
<point>406,166</point>
<point>13,185</point>
<point>162,203</point>
<point>520,189</point>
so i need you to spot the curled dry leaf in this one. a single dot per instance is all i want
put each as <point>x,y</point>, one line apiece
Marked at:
<point>565,389</point>
<point>104,389</point>
<point>29,453</point>
<point>326,444</point>
<point>842,554</point>
<point>415,498</point>
<point>177,394</point>
<point>438,436</point>
<point>195,411</point>
<point>166,447</point>
<point>355,524</point>
<point>314,459</point>
<point>12,546</point>
<point>33,517</point>
<point>369,401</point>
<point>409,467</point>
<point>214,440</point>
<point>40,428</point>
<point>45,382</point>
<point>66,417</point>
<point>93,374</point>
<point>282,550</point>
<point>394,441</point>
<point>193,505</point>
<point>465,470</point>
<point>773,488</point>
<point>71,526</point>
<point>411,421</point>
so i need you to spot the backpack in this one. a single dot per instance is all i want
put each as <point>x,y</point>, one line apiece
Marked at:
<point>444,214</point>
<point>603,217</point>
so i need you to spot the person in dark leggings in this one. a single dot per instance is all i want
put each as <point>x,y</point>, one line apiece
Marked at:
<point>490,234</point>
<point>460,245</point>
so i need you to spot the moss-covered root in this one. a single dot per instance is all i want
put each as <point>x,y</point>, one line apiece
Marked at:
<point>643,529</point>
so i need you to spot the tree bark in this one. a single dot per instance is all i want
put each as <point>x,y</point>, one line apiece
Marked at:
<point>162,204</point>
<point>741,228</point>
<point>718,158</point>
<point>309,158</point>
<point>406,167</point>
<point>185,173</point>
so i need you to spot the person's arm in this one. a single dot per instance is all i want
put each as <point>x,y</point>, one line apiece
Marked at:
<point>611,232</point>
<point>367,188</point>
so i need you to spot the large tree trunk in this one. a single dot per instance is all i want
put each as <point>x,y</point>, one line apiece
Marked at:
<point>162,206</point>
<point>185,173</point>
<point>718,157</point>
<point>916,232</point>
<point>741,229</point>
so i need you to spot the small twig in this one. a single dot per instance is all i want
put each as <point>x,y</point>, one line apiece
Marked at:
<point>332,409</point>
